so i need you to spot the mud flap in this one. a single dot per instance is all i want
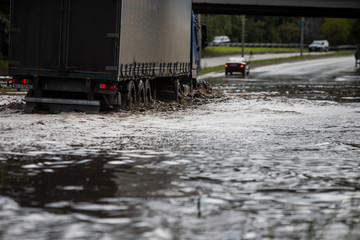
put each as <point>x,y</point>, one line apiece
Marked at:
<point>36,87</point>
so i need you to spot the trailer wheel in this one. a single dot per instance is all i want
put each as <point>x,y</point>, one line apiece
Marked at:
<point>141,92</point>
<point>147,87</point>
<point>177,89</point>
<point>128,95</point>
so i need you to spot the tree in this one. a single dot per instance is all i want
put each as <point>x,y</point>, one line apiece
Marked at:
<point>236,27</point>
<point>336,31</point>
<point>354,37</point>
<point>258,28</point>
<point>284,29</point>
<point>289,32</point>
<point>4,31</point>
<point>218,25</point>
<point>312,29</point>
<point>255,31</point>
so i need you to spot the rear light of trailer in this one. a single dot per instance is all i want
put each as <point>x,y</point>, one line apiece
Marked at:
<point>226,65</point>
<point>241,65</point>
<point>23,81</point>
<point>107,86</point>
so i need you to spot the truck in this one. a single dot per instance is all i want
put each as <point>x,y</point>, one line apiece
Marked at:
<point>89,55</point>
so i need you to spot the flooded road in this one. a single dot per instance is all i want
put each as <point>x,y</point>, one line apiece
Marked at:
<point>333,79</point>
<point>277,158</point>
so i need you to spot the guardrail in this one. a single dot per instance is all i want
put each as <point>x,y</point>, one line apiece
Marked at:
<point>278,45</point>
<point>343,47</point>
<point>271,45</point>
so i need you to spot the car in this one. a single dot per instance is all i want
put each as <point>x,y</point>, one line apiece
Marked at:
<point>319,46</point>
<point>221,39</point>
<point>237,65</point>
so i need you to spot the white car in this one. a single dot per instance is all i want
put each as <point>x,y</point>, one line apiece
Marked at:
<point>319,46</point>
<point>221,39</point>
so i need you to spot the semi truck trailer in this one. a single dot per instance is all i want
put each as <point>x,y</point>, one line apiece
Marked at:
<point>88,55</point>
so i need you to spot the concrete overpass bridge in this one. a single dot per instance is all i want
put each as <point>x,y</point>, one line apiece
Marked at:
<point>306,8</point>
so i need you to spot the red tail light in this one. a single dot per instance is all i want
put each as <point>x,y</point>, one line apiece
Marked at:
<point>241,66</point>
<point>21,80</point>
<point>107,86</point>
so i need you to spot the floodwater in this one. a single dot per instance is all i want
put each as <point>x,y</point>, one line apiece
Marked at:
<point>277,158</point>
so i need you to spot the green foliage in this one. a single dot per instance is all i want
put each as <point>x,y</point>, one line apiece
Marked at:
<point>289,32</point>
<point>257,28</point>
<point>268,29</point>
<point>4,31</point>
<point>4,67</point>
<point>220,25</point>
<point>355,31</point>
<point>214,51</point>
<point>255,31</point>
<point>336,31</point>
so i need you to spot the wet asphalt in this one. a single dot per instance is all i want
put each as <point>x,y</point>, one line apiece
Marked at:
<point>276,158</point>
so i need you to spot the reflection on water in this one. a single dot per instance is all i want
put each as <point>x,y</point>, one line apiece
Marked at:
<point>268,162</point>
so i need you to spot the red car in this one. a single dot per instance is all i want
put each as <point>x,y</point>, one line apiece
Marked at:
<point>237,65</point>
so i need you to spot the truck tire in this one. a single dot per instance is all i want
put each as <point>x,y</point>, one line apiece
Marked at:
<point>140,92</point>
<point>177,89</point>
<point>147,87</point>
<point>128,95</point>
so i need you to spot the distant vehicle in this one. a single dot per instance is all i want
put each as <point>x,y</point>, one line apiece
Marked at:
<point>221,39</point>
<point>237,65</point>
<point>319,46</point>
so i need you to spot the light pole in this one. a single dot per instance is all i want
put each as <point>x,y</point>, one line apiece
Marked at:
<point>199,40</point>
<point>302,25</point>
<point>242,35</point>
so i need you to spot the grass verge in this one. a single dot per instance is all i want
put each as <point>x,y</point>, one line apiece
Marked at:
<point>215,51</point>
<point>277,60</point>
